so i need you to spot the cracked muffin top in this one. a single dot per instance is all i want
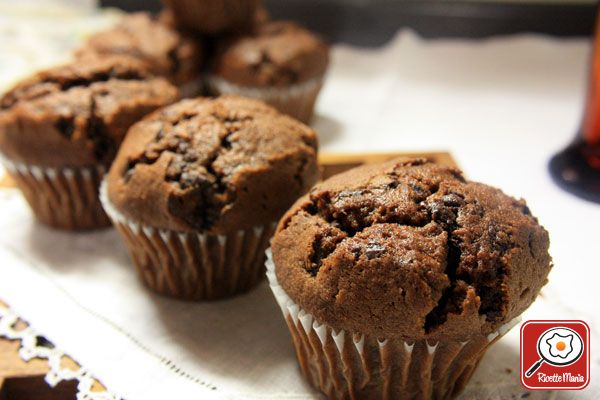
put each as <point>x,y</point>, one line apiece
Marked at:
<point>277,54</point>
<point>410,249</point>
<point>77,114</point>
<point>167,52</point>
<point>213,165</point>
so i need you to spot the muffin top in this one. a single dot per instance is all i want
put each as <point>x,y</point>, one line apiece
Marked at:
<point>213,165</point>
<point>410,249</point>
<point>214,16</point>
<point>260,15</point>
<point>77,114</point>
<point>168,52</point>
<point>277,54</point>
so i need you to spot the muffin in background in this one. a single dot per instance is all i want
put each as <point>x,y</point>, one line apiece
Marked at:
<point>395,278</point>
<point>61,128</point>
<point>169,53</point>
<point>211,17</point>
<point>279,63</point>
<point>167,17</point>
<point>197,188</point>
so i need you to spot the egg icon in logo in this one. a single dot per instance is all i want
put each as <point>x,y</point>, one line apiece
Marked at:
<point>560,346</point>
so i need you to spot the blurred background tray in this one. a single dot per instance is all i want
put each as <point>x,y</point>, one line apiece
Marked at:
<point>374,22</point>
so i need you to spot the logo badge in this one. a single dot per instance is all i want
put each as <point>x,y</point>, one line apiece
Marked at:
<point>555,355</point>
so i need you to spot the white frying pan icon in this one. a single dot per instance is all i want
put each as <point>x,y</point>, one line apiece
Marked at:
<point>558,347</point>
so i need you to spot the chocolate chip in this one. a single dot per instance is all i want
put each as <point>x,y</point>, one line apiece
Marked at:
<point>374,250</point>
<point>65,126</point>
<point>453,200</point>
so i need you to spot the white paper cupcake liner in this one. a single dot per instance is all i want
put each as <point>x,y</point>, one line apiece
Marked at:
<point>295,100</point>
<point>193,265</point>
<point>65,198</point>
<point>346,365</point>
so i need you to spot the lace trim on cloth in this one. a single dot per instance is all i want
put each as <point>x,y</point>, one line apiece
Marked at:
<point>34,345</point>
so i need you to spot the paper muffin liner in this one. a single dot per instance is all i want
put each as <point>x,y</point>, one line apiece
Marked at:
<point>297,101</point>
<point>65,198</point>
<point>193,265</point>
<point>346,365</point>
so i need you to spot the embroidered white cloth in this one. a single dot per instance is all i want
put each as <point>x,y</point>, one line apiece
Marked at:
<point>501,106</point>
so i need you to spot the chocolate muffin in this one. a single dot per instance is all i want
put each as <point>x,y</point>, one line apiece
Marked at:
<point>167,17</point>
<point>214,16</point>
<point>169,53</point>
<point>197,187</point>
<point>395,278</point>
<point>280,63</point>
<point>60,129</point>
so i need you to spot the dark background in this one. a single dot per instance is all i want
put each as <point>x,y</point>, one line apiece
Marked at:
<point>373,22</point>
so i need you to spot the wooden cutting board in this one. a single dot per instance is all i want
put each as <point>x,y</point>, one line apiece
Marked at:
<point>334,163</point>
<point>20,380</point>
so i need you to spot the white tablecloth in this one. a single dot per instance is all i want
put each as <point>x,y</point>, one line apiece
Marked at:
<point>501,106</point>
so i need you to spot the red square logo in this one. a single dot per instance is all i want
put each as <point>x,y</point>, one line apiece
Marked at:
<point>555,355</point>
